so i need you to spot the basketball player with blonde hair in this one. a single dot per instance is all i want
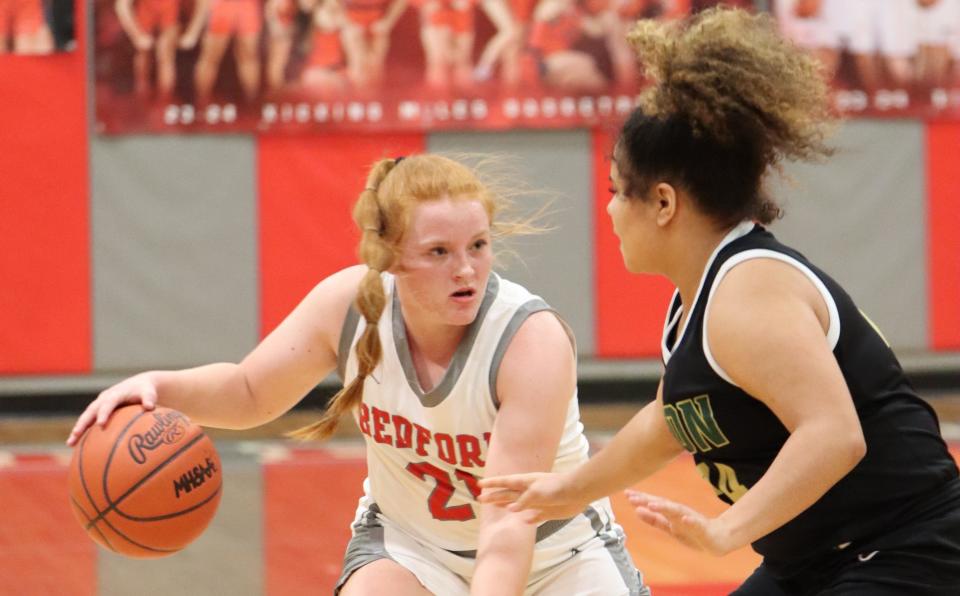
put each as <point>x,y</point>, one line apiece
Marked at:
<point>451,373</point>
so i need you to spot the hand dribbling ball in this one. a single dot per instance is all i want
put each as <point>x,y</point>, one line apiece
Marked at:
<point>146,484</point>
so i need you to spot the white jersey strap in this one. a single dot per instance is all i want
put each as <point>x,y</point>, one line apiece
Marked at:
<point>833,331</point>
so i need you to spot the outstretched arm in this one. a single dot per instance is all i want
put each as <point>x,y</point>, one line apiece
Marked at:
<point>766,330</point>
<point>393,13</point>
<point>286,365</point>
<point>191,35</point>
<point>641,448</point>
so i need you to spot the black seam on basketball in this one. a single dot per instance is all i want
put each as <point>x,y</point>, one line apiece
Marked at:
<point>112,505</point>
<point>174,513</point>
<point>106,469</point>
<point>83,478</point>
<point>113,450</point>
<point>94,527</point>
<point>134,542</point>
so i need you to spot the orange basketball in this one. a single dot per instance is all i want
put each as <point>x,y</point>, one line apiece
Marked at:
<point>147,484</point>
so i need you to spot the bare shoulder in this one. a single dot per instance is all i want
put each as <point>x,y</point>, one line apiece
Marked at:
<point>759,289</point>
<point>545,331</point>
<point>540,354</point>
<point>302,349</point>
<point>341,286</point>
<point>765,316</point>
<point>326,306</point>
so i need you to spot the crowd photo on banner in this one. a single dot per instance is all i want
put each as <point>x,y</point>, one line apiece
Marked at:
<point>165,65</point>
<point>883,55</point>
<point>36,27</point>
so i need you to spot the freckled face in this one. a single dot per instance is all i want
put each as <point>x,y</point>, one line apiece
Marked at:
<point>445,260</point>
<point>631,219</point>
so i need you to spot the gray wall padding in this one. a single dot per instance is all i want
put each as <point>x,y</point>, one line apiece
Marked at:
<point>861,218</point>
<point>174,250</point>
<point>175,255</point>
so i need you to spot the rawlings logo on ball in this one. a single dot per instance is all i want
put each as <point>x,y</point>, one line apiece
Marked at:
<point>168,428</point>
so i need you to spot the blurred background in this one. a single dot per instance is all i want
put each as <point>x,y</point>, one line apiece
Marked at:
<point>146,228</point>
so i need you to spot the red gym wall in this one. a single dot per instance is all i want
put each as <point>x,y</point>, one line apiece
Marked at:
<point>943,217</point>
<point>45,324</point>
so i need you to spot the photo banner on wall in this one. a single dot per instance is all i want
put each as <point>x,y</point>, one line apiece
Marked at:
<point>419,65</point>
<point>885,57</point>
<point>36,27</point>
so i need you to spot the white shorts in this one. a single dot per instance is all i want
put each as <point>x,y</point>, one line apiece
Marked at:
<point>938,25</point>
<point>807,32</point>
<point>868,26</point>
<point>586,556</point>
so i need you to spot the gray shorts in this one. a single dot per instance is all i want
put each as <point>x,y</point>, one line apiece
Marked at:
<point>585,556</point>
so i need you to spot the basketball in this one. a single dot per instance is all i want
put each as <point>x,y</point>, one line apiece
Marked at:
<point>146,484</point>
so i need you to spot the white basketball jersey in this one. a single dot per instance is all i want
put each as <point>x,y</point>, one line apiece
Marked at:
<point>426,450</point>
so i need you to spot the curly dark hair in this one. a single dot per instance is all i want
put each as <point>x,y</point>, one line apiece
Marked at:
<point>730,99</point>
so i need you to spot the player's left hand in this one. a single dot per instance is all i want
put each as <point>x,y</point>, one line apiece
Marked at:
<point>143,42</point>
<point>188,40</point>
<point>683,523</point>
<point>381,27</point>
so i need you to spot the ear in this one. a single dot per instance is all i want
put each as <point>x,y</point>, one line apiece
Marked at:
<point>665,200</point>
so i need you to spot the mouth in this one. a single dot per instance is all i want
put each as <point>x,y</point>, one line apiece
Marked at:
<point>464,294</point>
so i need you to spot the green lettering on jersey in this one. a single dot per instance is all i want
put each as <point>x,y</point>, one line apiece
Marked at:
<point>698,418</point>
<point>725,483</point>
<point>676,428</point>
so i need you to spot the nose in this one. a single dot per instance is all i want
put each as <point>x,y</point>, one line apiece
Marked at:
<point>463,267</point>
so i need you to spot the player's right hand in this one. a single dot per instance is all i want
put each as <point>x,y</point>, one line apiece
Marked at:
<point>542,496</point>
<point>143,42</point>
<point>188,40</point>
<point>381,27</point>
<point>137,389</point>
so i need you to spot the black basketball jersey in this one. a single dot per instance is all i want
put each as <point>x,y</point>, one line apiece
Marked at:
<point>734,437</point>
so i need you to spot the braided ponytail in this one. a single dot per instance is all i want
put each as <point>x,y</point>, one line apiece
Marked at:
<point>377,253</point>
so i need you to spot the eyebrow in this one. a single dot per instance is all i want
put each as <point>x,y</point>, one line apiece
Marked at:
<point>435,241</point>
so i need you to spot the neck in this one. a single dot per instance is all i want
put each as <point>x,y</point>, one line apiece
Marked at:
<point>687,265</point>
<point>430,341</point>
